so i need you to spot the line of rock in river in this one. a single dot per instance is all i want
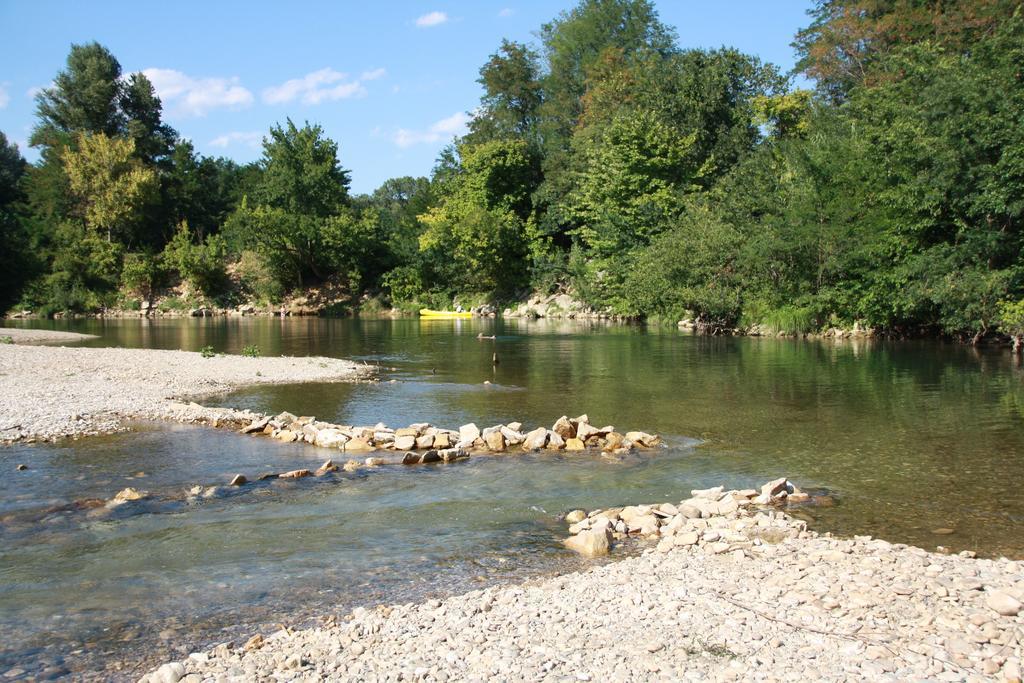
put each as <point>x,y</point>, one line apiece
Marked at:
<point>436,444</point>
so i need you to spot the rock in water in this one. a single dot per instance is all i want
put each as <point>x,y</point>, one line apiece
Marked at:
<point>405,443</point>
<point>468,433</point>
<point>575,516</point>
<point>330,438</point>
<point>590,543</point>
<point>256,426</point>
<point>536,439</point>
<point>564,428</point>
<point>238,480</point>
<point>495,441</point>
<point>295,474</point>
<point>574,445</point>
<point>22,467</point>
<point>127,494</point>
<point>584,431</point>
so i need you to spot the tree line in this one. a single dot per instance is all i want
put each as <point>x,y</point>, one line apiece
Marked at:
<point>650,180</point>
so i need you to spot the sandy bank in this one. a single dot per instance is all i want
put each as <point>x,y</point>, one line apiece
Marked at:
<point>782,604</point>
<point>25,336</point>
<point>50,392</point>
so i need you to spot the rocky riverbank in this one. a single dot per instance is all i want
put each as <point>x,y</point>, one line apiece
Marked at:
<point>755,596</point>
<point>53,392</point>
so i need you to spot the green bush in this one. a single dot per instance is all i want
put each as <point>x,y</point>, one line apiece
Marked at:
<point>201,265</point>
<point>207,352</point>
<point>257,278</point>
<point>252,351</point>
<point>141,274</point>
<point>6,340</point>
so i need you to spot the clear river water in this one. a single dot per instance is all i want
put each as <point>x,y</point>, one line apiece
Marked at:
<point>916,442</point>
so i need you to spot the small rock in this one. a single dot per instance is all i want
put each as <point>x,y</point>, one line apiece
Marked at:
<point>238,480</point>
<point>254,643</point>
<point>22,467</point>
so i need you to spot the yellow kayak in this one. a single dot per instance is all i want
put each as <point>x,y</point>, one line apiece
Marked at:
<point>427,313</point>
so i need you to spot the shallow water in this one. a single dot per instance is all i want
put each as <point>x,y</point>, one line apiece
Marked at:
<point>909,437</point>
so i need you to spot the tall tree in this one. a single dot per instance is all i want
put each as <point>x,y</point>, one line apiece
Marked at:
<point>143,113</point>
<point>85,97</point>
<point>512,95</point>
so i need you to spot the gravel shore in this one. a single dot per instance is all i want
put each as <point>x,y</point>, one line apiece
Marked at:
<point>782,604</point>
<point>51,392</point>
<point>20,335</point>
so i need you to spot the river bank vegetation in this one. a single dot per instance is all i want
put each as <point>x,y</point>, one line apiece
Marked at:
<point>648,179</point>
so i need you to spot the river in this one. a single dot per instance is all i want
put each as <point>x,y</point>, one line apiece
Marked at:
<point>917,442</point>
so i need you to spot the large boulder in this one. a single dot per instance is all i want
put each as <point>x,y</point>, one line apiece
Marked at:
<point>555,441</point>
<point>574,445</point>
<point>590,543</point>
<point>358,445</point>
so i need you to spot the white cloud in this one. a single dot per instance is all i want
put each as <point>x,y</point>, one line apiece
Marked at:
<point>314,88</point>
<point>5,97</point>
<point>195,96</point>
<point>432,19</point>
<point>249,139</point>
<point>373,74</point>
<point>506,12</point>
<point>444,129</point>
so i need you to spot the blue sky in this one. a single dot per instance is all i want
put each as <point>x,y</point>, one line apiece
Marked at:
<point>389,81</point>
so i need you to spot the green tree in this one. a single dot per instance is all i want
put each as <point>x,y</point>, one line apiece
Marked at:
<point>111,185</point>
<point>512,96</point>
<point>300,206</point>
<point>17,262</point>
